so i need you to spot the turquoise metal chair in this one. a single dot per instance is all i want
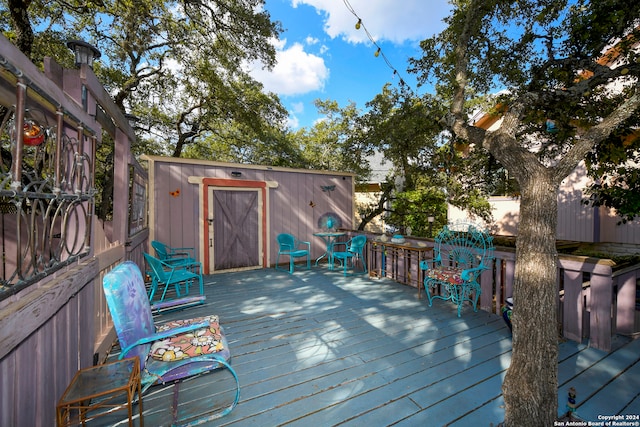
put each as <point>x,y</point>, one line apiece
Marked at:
<point>462,251</point>
<point>173,256</point>
<point>173,275</point>
<point>293,248</point>
<point>168,352</point>
<point>354,250</point>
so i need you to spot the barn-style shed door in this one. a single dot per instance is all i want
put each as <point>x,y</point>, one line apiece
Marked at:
<point>234,231</point>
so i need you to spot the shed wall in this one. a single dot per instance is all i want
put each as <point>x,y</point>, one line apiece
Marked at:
<point>295,205</point>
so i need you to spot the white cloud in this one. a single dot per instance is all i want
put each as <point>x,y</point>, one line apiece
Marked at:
<point>395,21</point>
<point>297,107</point>
<point>293,122</point>
<point>296,71</point>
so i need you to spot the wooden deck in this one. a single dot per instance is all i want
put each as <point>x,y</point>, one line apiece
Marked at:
<point>318,349</point>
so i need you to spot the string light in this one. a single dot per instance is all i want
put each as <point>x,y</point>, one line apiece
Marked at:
<point>378,52</point>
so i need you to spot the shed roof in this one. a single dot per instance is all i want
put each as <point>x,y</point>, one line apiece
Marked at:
<point>213,163</point>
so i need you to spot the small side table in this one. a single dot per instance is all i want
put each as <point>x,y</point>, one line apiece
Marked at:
<point>98,387</point>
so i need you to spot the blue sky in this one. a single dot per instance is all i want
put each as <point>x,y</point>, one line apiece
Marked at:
<point>322,55</point>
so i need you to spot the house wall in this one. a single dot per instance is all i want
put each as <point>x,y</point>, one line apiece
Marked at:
<point>364,200</point>
<point>576,221</point>
<point>611,230</point>
<point>300,197</point>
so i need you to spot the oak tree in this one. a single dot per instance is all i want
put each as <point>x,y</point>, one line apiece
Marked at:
<point>571,71</point>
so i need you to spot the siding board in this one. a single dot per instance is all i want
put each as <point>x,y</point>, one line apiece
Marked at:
<point>8,380</point>
<point>45,367</point>
<point>26,387</point>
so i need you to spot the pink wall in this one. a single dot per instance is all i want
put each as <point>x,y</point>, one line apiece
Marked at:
<point>295,204</point>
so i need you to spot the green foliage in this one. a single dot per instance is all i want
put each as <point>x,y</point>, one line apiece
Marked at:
<point>551,57</point>
<point>614,166</point>
<point>333,143</point>
<point>412,209</point>
<point>176,66</point>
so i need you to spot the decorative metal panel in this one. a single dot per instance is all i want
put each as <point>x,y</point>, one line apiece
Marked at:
<point>46,188</point>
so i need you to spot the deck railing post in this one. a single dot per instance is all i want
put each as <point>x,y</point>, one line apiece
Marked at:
<point>626,300</point>
<point>601,310</point>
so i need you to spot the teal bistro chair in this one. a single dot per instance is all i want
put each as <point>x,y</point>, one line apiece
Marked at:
<point>172,351</point>
<point>172,276</point>
<point>293,248</point>
<point>353,251</point>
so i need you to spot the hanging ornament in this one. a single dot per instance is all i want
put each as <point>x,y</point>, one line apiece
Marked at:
<point>32,134</point>
<point>329,221</point>
<point>358,24</point>
<point>377,53</point>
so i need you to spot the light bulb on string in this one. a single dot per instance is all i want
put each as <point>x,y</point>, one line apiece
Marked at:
<point>359,25</point>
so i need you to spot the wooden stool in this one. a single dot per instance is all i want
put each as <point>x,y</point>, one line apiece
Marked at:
<point>98,387</point>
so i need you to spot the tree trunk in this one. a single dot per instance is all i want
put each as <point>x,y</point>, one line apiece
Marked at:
<point>531,383</point>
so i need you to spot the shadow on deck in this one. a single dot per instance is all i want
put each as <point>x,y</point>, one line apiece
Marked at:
<point>316,348</point>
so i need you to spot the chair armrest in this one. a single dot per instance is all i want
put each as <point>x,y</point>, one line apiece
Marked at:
<point>469,274</point>
<point>164,334</point>
<point>339,244</point>
<point>182,251</point>
<point>306,243</point>
<point>166,265</point>
<point>428,264</point>
<point>171,268</point>
<point>188,266</point>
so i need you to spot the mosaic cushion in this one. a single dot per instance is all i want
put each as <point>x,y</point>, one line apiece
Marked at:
<point>446,274</point>
<point>194,343</point>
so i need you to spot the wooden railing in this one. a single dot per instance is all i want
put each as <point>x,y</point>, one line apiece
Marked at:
<point>594,302</point>
<point>60,322</point>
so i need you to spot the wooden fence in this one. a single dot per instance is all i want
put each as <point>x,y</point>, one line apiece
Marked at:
<point>58,322</point>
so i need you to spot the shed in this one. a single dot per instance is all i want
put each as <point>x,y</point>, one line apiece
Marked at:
<point>231,213</point>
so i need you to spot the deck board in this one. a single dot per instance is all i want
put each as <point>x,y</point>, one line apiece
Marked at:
<point>316,348</point>
<point>604,388</point>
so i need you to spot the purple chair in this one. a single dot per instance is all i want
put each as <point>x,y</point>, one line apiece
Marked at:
<point>168,352</point>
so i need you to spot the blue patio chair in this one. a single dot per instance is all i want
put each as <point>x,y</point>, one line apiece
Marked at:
<point>172,275</point>
<point>354,250</point>
<point>173,256</point>
<point>293,248</point>
<point>168,352</point>
<point>462,251</point>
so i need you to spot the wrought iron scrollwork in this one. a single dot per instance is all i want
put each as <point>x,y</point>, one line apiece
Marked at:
<point>45,211</point>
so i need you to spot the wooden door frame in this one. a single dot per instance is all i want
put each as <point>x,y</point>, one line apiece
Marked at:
<point>205,185</point>
<point>221,220</point>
